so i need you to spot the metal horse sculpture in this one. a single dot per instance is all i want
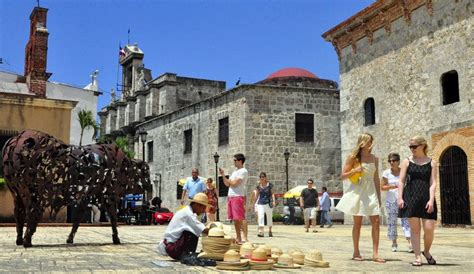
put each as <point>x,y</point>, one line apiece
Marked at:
<point>44,173</point>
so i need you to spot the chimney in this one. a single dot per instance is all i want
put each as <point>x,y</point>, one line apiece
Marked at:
<point>36,53</point>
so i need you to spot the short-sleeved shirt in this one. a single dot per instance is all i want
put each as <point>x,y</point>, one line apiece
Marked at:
<point>183,220</point>
<point>309,197</point>
<point>238,190</point>
<point>392,194</point>
<point>264,194</point>
<point>194,187</point>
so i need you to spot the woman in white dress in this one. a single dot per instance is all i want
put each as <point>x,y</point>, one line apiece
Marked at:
<point>362,198</point>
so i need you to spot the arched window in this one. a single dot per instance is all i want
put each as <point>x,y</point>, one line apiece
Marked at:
<point>450,86</point>
<point>369,111</point>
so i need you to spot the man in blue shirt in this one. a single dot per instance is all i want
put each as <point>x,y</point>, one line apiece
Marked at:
<point>193,186</point>
<point>325,206</point>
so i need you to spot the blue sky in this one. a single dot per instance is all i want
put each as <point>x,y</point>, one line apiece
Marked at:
<point>211,39</point>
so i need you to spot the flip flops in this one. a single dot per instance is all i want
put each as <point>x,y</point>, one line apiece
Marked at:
<point>357,258</point>
<point>378,260</point>
<point>416,263</point>
<point>430,260</point>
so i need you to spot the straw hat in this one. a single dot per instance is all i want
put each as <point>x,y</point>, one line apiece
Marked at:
<point>298,257</point>
<point>259,255</point>
<point>315,259</point>
<point>216,232</point>
<point>232,261</point>
<point>268,249</point>
<point>200,198</point>
<point>286,261</point>
<point>246,250</point>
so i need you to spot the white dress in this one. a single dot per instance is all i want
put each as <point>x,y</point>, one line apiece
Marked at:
<point>361,199</point>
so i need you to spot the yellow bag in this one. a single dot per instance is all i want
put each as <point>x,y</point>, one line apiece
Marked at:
<point>180,207</point>
<point>355,178</point>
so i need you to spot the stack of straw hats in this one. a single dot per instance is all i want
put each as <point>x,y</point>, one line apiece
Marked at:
<point>259,260</point>
<point>276,252</point>
<point>215,245</point>
<point>286,261</point>
<point>315,259</point>
<point>246,250</point>
<point>298,257</point>
<point>233,262</point>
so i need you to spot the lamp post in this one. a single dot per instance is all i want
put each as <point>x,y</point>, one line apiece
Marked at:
<point>159,188</point>
<point>216,160</point>
<point>287,156</point>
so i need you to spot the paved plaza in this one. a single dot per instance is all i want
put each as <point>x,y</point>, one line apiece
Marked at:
<point>93,250</point>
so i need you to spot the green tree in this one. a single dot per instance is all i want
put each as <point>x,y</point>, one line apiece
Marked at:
<point>122,143</point>
<point>86,120</point>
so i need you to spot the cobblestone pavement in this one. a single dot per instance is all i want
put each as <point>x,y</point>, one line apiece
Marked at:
<point>93,250</point>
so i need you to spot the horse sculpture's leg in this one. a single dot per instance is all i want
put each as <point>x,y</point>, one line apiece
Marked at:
<point>20,220</point>
<point>112,209</point>
<point>77,217</point>
<point>32,218</point>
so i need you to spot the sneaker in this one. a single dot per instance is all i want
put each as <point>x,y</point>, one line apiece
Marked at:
<point>394,247</point>
<point>410,249</point>
<point>329,226</point>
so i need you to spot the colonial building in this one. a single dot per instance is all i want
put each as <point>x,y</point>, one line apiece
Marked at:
<point>406,69</point>
<point>30,101</point>
<point>189,120</point>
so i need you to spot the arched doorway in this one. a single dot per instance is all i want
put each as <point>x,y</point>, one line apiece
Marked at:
<point>454,188</point>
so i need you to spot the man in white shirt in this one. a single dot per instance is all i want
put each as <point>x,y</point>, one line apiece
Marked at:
<point>182,234</point>
<point>236,196</point>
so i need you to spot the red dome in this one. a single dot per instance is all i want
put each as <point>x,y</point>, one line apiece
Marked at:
<point>292,72</point>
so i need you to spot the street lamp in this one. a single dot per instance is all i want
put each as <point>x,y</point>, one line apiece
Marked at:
<point>216,160</point>
<point>287,156</point>
<point>143,135</point>
<point>159,188</point>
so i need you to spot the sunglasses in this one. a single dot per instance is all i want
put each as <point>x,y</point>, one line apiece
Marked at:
<point>263,177</point>
<point>391,161</point>
<point>413,146</point>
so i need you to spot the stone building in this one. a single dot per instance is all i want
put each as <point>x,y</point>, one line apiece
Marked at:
<point>30,101</point>
<point>407,68</point>
<point>188,120</point>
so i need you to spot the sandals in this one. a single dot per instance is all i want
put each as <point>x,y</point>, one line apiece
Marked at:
<point>357,258</point>
<point>260,234</point>
<point>378,260</point>
<point>416,263</point>
<point>270,234</point>
<point>430,260</point>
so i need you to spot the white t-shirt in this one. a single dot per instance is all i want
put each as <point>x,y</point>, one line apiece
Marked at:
<point>238,190</point>
<point>183,220</point>
<point>392,194</point>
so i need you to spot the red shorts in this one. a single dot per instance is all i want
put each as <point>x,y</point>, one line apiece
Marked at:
<point>236,208</point>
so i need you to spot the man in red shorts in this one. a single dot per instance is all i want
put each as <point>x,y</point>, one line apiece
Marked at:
<point>236,196</point>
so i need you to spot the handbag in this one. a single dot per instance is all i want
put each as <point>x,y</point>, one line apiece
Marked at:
<point>355,178</point>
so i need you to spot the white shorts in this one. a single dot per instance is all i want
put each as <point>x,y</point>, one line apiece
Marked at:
<point>310,213</point>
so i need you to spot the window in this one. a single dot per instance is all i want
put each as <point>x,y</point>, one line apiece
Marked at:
<point>224,131</point>
<point>188,141</point>
<point>369,111</point>
<point>179,191</point>
<point>223,189</point>
<point>150,151</point>
<point>450,86</point>
<point>304,127</point>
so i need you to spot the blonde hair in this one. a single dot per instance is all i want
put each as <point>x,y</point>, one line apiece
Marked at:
<point>362,141</point>
<point>212,182</point>
<point>421,141</point>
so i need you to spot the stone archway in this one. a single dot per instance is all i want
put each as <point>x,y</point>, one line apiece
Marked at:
<point>454,188</point>
<point>465,142</point>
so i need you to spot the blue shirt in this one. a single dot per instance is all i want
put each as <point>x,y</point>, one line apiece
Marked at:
<point>193,187</point>
<point>325,202</point>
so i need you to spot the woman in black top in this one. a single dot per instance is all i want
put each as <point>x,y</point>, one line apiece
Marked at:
<point>263,203</point>
<point>417,186</point>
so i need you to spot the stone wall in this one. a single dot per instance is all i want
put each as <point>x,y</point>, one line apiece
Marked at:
<point>262,126</point>
<point>401,70</point>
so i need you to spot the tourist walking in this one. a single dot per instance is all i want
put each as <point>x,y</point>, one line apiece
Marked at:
<point>325,208</point>
<point>390,179</point>
<point>309,201</point>
<point>362,198</point>
<point>263,201</point>
<point>212,196</point>
<point>236,197</point>
<point>193,185</point>
<point>416,197</point>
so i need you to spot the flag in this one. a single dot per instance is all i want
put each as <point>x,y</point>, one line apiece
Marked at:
<point>121,52</point>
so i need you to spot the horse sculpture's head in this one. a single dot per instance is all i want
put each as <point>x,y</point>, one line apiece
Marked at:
<point>140,176</point>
